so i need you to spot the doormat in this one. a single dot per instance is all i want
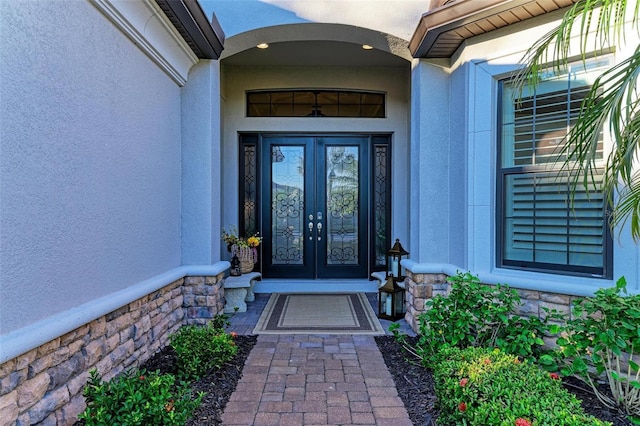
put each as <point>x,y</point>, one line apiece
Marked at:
<point>305,313</point>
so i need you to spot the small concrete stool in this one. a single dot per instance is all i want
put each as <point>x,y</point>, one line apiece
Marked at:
<point>238,290</point>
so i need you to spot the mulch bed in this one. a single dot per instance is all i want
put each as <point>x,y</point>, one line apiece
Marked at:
<point>414,383</point>
<point>218,385</point>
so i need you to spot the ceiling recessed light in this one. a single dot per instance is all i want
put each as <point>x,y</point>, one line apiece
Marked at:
<point>367,47</point>
<point>262,46</point>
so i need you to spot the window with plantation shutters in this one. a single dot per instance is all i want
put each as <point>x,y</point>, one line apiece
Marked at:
<point>543,225</point>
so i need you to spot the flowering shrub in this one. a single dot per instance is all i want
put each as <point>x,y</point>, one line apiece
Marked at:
<point>502,392</point>
<point>137,398</point>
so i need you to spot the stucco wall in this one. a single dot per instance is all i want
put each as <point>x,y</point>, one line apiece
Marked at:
<point>201,163</point>
<point>431,181</point>
<point>89,163</point>
<point>393,81</point>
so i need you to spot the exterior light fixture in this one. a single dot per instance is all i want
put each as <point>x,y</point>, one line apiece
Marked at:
<point>394,256</point>
<point>367,47</point>
<point>316,108</point>
<point>235,266</point>
<point>391,304</point>
<point>391,300</point>
<point>262,46</point>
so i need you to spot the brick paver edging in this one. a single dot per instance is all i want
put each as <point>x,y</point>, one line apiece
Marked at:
<point>315,380</point>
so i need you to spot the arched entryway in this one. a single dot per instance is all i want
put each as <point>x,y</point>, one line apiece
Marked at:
<point>316,57</point>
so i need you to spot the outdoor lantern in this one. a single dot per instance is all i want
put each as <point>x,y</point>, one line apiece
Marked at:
<point>235,266</point>
<point>394,256</point>
<point>391,300</point>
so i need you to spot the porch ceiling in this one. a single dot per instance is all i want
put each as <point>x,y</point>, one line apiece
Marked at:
<point>316,45</point>
<point>442,30</point>
<point>314,54</point>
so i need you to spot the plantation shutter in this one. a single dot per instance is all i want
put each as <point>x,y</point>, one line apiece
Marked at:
<point>543,225</point>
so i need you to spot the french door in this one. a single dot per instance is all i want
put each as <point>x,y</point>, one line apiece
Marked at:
<point>320,202</point>
<point>314,212</point>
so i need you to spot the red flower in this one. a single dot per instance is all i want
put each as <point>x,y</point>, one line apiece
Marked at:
<point>522,422</point>
<point>141,377</point>
<point>233,334</point>
<point>464,382</point>
<point>554,376</point>
<point>487,361</point>
<point>462,406</point>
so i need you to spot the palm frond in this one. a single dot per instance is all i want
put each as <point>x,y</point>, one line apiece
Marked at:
<point>628,208</point>
<point>612,99</point>
<point>602,21</point>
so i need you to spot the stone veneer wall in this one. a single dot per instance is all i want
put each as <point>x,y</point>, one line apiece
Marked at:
<point>44,386</point>
<point>421,287</point>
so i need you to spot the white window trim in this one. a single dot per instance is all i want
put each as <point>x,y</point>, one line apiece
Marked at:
<point>484,78</point>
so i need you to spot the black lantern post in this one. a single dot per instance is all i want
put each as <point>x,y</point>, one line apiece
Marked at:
<point>391,300</point>
<point>394,256</point>
<point>391,296</point>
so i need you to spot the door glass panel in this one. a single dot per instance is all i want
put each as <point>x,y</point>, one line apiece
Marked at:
<point>380,205</point>
<point>342,180</point>
<point>287,204</point>
<point>249,225</point>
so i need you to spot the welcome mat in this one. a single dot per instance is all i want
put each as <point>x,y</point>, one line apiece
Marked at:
<point>304,313</point>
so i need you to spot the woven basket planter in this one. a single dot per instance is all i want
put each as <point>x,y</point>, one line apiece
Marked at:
<point>248,258</point>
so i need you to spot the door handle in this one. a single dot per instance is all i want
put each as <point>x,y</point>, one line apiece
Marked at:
<point>318,226</point>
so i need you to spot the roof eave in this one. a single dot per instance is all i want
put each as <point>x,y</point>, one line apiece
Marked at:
<point>437,22</point>
<point>445,18</point>
<point>205,38</point>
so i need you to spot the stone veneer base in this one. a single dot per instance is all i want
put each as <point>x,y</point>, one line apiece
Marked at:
<point>44,385</point>
<point>422,287</point>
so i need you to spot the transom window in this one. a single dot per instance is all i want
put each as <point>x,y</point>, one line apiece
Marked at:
<point>315,103</point>
<point>541,226</point>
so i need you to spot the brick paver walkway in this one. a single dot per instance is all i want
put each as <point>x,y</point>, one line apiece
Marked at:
<point>315,380</point>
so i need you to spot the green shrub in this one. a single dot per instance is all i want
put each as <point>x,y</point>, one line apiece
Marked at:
<point>478,315</point>
<point>479,386</point>
<point>137,398</point>
<point>604,334</point>
<point>220,322</point>
<point>201,348</point>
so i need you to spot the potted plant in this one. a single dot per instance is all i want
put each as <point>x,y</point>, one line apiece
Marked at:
<point>246,249</point>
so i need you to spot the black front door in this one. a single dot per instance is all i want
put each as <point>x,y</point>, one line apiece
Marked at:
<point>314,211</point>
